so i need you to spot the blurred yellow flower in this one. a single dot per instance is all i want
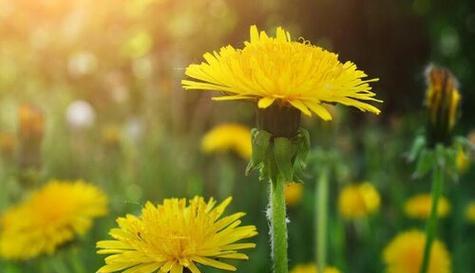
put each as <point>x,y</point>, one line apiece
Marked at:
<point>358,201</point>
<point>404,254</point>
<point>311,268</point>
<point>228,137</point>
<point>174,236</point>
<point>293,193</point>
<point>418,206</point>
<point>49,218</point>
<point>277,69</point>
<point>470,212</point>
<point>462,160</point>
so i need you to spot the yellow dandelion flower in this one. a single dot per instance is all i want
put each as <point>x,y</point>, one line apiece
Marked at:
<point>175,235</point>
<point>228,137</point>
<point>49,218</point>
<point>419,206</point>
<point>293,193</point>
<point>462,160</point>
<point>277,69</point>
<point>470,212</point>
<point>311,268</point>
<point>404,254</point>
<point>358,201</point>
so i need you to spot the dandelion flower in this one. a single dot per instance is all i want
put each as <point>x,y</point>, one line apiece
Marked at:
<point>228,137</point>
<point>293,193</point>
<point>419,206</point>
<point>311,268</point>
<point>278,70</point>
<point>358,201</point>
<point>49,218</point>
<point>404,254</point>
<point>175,235</point>
<point>470,212</point>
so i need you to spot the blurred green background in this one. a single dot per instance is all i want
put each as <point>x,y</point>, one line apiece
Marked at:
<point>140,135</point>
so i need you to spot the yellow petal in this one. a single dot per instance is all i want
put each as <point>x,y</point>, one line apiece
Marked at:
<point>265,102</point>
<point>302,107</point>
<point>320,110</point>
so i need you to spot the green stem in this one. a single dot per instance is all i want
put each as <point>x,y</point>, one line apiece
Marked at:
<point>321,208</point>
<point>278,221</point>
<point>431,227</point>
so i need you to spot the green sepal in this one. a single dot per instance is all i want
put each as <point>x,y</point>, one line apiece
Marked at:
<point>443,156</point>
<point>446,158</point>
<point>425,163</point>
<point>261,140</point>
<point>303,149</point>
<point>284,153</point>
<point>417,147</point>
<point>280,157</point>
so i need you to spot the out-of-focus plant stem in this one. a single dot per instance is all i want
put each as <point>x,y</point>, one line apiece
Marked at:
<point>431,226</point>
<point>321,223</point>
<point>278,221</point>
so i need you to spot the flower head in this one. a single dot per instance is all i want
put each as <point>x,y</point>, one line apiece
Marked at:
<point>175,235</point>
<point>358,201</point>
<point>470,212</point>
<point>419,206</point>
<point>49,218</point>
<point>225,137</point>
<point>404,254</point>
<point>293,193</point>
<point>311,268</point>
<point>278,70</point>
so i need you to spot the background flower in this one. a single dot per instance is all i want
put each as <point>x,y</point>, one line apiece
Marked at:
<point>228,137</point>
<point>293,193</point>
<point>419,206</point>
<point>311,268</point>
<point>404,254</point>
<point>358,201</point>
<point>49,218</point>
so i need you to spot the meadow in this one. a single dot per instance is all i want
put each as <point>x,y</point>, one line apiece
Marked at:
<point>146,136</point>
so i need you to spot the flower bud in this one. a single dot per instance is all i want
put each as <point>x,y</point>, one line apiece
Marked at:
<point>443,103</point>
<point>30,136</point>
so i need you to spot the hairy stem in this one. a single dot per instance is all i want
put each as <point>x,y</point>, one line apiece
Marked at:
<point>278,226</point>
